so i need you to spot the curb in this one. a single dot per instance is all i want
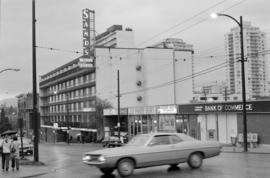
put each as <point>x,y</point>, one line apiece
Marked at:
<point>25,161</point>
<point>34,175</point>
<point>245,152</point>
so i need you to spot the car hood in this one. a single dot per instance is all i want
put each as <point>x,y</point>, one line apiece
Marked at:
<point>117,151</point>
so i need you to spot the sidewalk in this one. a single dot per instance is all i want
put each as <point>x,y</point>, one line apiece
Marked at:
<point>26,171</point>
<point>29,168</point>
<point>260,149</point>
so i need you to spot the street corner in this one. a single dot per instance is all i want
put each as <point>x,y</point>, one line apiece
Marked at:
<point>24,172</point>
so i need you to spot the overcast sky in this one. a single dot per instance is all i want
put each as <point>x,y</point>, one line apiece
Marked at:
<point>59,25</point>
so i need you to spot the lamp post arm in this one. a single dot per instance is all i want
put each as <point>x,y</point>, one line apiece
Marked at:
<point>219,14</point>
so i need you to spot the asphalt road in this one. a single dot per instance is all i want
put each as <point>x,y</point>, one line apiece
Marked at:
<point>64,161</point>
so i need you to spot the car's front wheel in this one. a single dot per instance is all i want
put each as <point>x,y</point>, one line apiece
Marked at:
<point>195,160</point>
<point>125,167</point>
<point>106,171</point>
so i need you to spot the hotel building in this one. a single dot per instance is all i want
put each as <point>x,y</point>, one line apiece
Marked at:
<point>67,103</point>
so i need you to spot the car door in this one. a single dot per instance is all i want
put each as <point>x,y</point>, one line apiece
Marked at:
<point>179,149</point>
<point>158,151</point>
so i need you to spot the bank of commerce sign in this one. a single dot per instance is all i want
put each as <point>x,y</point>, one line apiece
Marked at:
<point>223,108</point>
<point>252,106</point>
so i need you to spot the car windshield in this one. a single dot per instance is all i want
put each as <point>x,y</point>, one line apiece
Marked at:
<point>138,140</point>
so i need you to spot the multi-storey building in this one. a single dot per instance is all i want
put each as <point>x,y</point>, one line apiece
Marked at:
<point>148,76</point>
<point>211,92</point>
<point>255,67</point>
<point>152,81</point>
<point>67,102</point>
<point>115,36</point>
<point>174,43</point>
<point>25,106</point>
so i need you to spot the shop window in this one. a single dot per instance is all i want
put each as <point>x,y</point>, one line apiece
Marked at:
<point>166,122</point>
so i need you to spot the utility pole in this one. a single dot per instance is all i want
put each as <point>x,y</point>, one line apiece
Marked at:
<point>174,84</point>
<point>35,107</point>
<point>243,86</point>
<point>118,97</point>
<point>225,93</point>
<point>226,98</point>
<point>205,116</point>
<point>240,24</point>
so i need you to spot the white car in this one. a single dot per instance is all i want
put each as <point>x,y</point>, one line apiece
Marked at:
<point>27,146</point>
<point>153,149</point>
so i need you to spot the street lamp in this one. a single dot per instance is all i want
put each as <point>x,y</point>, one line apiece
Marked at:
<point>240,24</point>
<point>16,70</point>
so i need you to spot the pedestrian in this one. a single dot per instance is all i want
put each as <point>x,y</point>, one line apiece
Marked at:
<point>1,148</point>
<point>15,154</point>
<point>6,145</point>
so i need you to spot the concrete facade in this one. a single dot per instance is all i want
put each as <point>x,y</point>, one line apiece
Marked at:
<point>67,100</point>
<point>149,76</point>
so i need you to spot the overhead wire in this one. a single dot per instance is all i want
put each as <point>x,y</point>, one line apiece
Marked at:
<point>188,77</point>
<point>182,22</point>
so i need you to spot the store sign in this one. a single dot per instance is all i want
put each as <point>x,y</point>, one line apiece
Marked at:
<point>108,112</point>
<point>55,125</point>
<point>150,110</point>
<point>112,112</point>
<point>171,109</point>
<point>136,111</point>
<point>223,107</point>
<point>251,107</point>
<point>85,62</point>
<point>86,32</point>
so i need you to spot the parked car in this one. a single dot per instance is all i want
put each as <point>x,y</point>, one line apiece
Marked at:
<point>111,142</point>
<point>27,146</point>
<point>153,149</point>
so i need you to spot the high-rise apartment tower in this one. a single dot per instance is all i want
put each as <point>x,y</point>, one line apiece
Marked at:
<point>255,66</point>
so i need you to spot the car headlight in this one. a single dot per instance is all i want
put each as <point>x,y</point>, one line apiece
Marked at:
<point>101,158</point>
<point>86,158</point>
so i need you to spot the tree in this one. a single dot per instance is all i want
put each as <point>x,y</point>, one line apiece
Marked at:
<point>4,122</point>
<point>100,106</point>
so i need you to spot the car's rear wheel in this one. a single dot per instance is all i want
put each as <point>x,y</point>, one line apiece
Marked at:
<point>125,167</point>
<point>106,171</point>
<point>195,160</point>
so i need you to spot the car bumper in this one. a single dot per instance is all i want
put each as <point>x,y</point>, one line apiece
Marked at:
<point>98,164</point>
